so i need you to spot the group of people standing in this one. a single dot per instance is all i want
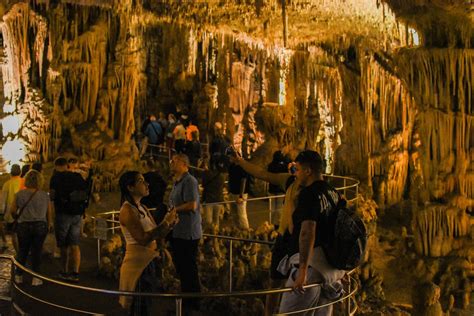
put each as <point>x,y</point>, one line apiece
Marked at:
<point>181,223</point>
<point>297,257</point>
<point>30,213</point>
<point>179,135</point>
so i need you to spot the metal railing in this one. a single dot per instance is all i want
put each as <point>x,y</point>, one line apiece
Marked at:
<point>352,287</point>
<point>350,185</point>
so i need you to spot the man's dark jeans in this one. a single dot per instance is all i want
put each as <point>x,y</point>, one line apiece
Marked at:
<point>31,236</point>
<point>185,261</point>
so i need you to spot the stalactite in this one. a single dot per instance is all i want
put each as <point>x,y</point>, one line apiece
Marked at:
<point>22,27</point>
<point>389,112</point>
<point>440,78</point>
<point>18,24</point>
<point>436,227</point>
<point>83,63</point>
<point>446,137</point>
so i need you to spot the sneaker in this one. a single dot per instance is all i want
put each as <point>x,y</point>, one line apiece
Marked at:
<point>74,277</point>
<point>18,279</point>
<point>64,276</point>
<point>36,282</point>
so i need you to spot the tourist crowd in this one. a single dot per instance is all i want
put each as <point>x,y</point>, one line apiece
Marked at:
<point>30,213</point>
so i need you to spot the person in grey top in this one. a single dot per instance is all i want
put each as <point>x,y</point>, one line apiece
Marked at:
<point>33,210</point>
<point>184,198</point>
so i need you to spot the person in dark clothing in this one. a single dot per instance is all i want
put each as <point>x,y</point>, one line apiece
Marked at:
<point>219,141</point>
<point>213,184</point>
<point>279,164</point>
<point>193,149</point>
<point>306,260</point>
<point>38,166</point>
<point>154,201</point>
<point>154,135</point>
<point>169,130</point>
<point>68,191</point>
<point>145,123</point>
<point>24,170</point>
<point>239,181</point>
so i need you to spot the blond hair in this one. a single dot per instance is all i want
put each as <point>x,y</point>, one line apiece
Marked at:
<point>33,179</point>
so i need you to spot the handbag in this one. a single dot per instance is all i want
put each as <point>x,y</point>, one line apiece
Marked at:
<point>14,224</point>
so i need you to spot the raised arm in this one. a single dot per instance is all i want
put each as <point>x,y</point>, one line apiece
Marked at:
<point>260,173</point>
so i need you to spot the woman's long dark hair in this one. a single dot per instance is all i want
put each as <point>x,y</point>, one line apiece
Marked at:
<point>127,179</point>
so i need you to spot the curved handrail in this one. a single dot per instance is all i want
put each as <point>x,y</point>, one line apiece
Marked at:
<point>155,295</point>
<point>343,298</point>
<point>69,309</point>
<point>257,241</point>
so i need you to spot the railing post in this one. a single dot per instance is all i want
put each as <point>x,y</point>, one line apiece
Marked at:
<point>113,223</point>
<point>344,186</point>
<point>179,306</point>
<point>230,266</point>
<point>98,253</point>
<point>270,210</point>
<point>349,297</point>
<point>357,195</point>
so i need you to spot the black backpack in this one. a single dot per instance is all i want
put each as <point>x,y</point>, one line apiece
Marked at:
<point>346,242</point>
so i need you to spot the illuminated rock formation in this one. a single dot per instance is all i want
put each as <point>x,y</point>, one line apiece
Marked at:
<point>383,89</point>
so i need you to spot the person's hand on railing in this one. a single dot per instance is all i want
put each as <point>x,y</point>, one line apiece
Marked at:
<point>300,281</point>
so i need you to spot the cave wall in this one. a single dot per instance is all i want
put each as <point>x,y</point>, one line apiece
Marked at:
<point>400,122</point>
<point>102,68</point>
<point>399,118</point>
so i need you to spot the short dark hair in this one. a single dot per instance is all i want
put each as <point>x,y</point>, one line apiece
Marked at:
<point>24,170</point>
<point>38,166</point>
<point>312,160</point>
<point>60,161</point>
<point>15,170</point>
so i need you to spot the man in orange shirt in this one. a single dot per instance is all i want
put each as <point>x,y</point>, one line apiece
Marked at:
<point>189,131</point>
<point>9,189</point>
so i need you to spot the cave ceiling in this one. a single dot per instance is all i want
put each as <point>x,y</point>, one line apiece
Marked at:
<point>374,24</point>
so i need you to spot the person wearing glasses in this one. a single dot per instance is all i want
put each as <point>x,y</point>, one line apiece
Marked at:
<point>139,267</point>
<point>184,199</point>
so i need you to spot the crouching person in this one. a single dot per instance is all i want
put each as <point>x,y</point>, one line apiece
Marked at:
<point>138,271</point>
<point>306,262</point>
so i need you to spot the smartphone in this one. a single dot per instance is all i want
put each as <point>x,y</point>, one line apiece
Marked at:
<point>292,168</point>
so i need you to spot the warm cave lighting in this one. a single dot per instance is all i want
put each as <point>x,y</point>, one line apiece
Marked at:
<point>10,124</point>
<point>284,57</point>
<point>13,151</point>
<point>414,36</point>
<point>282,89</point>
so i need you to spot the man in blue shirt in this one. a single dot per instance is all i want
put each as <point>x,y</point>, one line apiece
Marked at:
<point>184,198</point>
<point>154,135</point>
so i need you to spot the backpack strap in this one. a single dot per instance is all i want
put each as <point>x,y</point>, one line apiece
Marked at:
<point>25,205</point>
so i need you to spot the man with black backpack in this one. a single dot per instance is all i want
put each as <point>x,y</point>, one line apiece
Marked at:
<point>69,192</point>
<point>306,261</point>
